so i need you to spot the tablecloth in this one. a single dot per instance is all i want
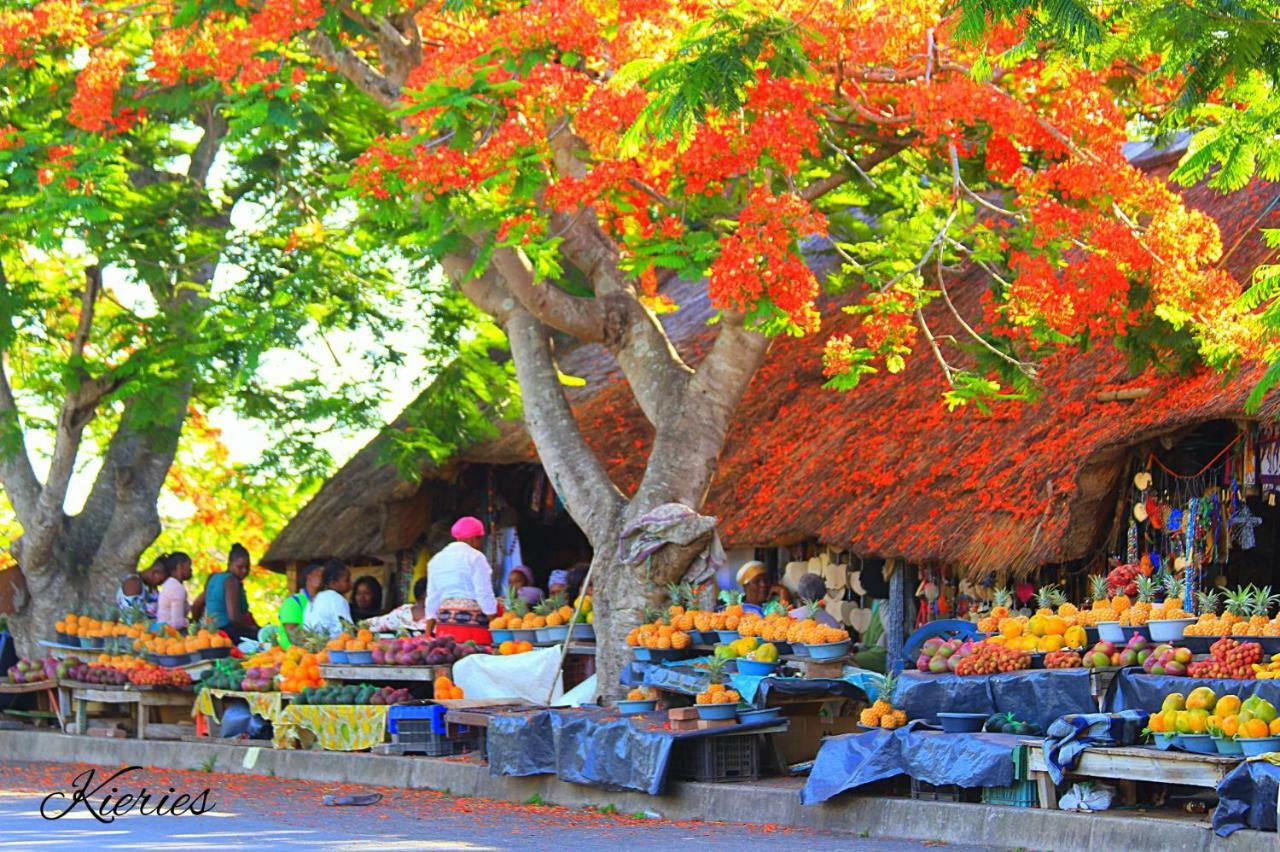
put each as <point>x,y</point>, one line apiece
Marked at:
<point>336,727</point>
<point>852,760</point>
<point>1032,695</point>
<point>268,705</point>
<point>1247,798</point>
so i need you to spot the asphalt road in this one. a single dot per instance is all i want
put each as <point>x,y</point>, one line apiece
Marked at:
<point>248,812</point>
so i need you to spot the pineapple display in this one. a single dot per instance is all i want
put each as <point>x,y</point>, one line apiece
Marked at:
<point>882,713</point>
<point>1140,612</point>
<point>1171,606</point>
<point>716,692</point>
<point>558,612</point>
<point>1001,600</point>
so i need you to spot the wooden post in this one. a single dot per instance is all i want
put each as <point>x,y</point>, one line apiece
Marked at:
<point>896,628</point>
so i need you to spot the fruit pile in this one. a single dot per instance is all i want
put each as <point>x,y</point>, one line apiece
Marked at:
<point>223,674</point>
<point>1201,711</point>
<point>1166,659</point>
<point>744,647</point>
<point>260,679</point>
<point>1006,723</point>
<point>124,662</point>
<point>684,615</point>
<point>299,669</point>
<point>106,624</point>
<point>718,693</point>
<point>987,658</point>
<point>553,612</point>
<point>424,651</point>
<point>642,693</point>
<point>781,627</point>
<point>361,641</point>
<point>33,671</point>
<point>659,636</point>
<point>506,649</point>
<point>1269,670</point>
<point>1246,613</point>
<point>443,688</point>
<point>352,693</point>
<point>882,713</point>
<point>1062,660</point>
<point>96,674</point>
<point>149,675</point>
<point>1228,659</point>
<point>939,656</point>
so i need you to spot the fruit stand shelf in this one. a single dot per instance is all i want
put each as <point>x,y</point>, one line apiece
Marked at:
<point>49,688</point>
<point>60,652</point>
<point>81,696</point>
<point>1132,764</point>
<point>384,674</point>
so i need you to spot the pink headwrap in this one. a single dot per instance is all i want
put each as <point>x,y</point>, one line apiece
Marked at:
<point>467,527</point>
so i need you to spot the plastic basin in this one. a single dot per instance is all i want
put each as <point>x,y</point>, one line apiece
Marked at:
<point>1164,741</point>
<point>503,635</point>
<point>1259,745</point>
<point>1139,630</point>
<point>172,660</point>
<point>360,658</point>
<point>1111,631</point>
<point>551,635</point>
<point>727,636</point>
<point>630,707</point>
<point>1197,743</point>
<point>1227,745</point>
<point>1169,629</point>
<point>338,657</point>
<point>962,723</point>
<point>524,635</point>
<point>755,667</point>
<point>717,711</point>
<point>767,714</point>
<point>584,632</point>
<point>829,651</point>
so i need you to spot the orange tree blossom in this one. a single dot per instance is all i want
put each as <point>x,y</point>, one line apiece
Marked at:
<point>563,159</point>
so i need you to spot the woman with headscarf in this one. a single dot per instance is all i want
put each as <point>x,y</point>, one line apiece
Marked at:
<point>558,584</point>
<point>460,598</point>
<point>520,584</point>
<point>754,580</point>
<point>140,591</point>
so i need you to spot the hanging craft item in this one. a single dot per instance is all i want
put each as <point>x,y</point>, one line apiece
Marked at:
<point>1142,480</point>
<point>1140,511</point>
<point>1269,460</point>
<point>1131,544</point>
<point>1242,524</point>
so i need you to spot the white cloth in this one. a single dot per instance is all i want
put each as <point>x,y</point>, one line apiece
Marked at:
<point>325,613</point>
<point>172,605</point>
<point>460,571</point>
<point>400,618</point>
<point>530,676</point>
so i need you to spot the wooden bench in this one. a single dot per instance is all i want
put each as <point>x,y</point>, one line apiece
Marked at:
<point>47,688</point>
<point>1129,765</point>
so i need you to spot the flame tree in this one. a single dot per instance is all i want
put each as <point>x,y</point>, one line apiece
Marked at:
<point>562,159</point>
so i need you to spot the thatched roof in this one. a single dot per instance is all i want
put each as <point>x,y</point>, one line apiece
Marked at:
<point>884,470</point>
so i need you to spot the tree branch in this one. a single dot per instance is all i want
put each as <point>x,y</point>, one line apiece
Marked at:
<point>16,474</point>
<point>582,318</point>
<point>351,65</point>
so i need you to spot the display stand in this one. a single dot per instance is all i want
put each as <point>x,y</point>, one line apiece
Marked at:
<point>383,674</point>
<point>142,700</point>
<point>1131,764</point>
<point>47,688</point>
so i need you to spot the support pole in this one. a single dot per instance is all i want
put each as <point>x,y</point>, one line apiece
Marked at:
<point>573,621</point>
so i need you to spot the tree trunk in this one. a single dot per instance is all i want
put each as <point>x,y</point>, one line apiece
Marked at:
<point>62,584</point>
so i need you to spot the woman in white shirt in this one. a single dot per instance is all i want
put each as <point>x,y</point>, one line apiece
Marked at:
<point>171,607</point>
<point>329,608</point>
<point>460,597</point>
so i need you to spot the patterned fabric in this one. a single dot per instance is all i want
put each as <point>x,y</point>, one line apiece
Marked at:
<point>268,705</point>
<point>461,611</point>
<point>337,727</point>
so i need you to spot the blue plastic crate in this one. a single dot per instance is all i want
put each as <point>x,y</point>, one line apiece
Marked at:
<point>1019,794</point>
<point>433,712</point>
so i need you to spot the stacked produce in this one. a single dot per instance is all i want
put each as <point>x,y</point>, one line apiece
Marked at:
<point>642,693</point>
<point>444,688</point>
<point>1228,659</point>
<point>124,662</point>
<point>96,674</point>
<point>882,713</point>
<point>1137,651</point>
<point>1166,659</point>
<point>1145,610</point>
<point>506,649</point>
<point>260,679</point>
<point>1044,632</point>
<point>362,640</point>
<point>352,693</point>
<point>658,635</point>
<point>425,651</point>
<point>223,674</point>
<point>781,627</point>
<point>716,692</point>
<point>1201,711</point>
<point>33,671</point>
<point>938,656</point>
<point>987,658</point>
<point>149,675</point>
<point>1269,670</point>
<point>1247,613</point>
<point>1006,723</point>
<point>744,647</point>
<point>299,669</point>
<point>1062,660</point>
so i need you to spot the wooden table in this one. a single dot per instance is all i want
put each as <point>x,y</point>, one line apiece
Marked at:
<point>48,687</point>
<point>1131,764</point>
<point>415,674</point>
<point>143,700</point>
<point>88,655</point>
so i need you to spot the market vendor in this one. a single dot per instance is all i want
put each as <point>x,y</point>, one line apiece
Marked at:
<point>754,580</point>
<point>224,599</point>
<point>813,589</point>
<point>410,616</point>
<point>171,605</point>
<point>520,584</point>
<point>460,597</point>
<point>294,609</point>
<point>558,584</point>
<point>366,599</point>
<point>330,609</point>
<point>141,590</point>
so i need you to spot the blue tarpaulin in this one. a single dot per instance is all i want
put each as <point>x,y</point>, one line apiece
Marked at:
<point>591,745</point>
<point>1247,798</point>
<point>852,760</point>
<point>1035,695</point>
<point>1133,689</point>
<point>690,681</point>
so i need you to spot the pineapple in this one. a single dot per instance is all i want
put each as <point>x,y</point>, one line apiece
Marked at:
<point>1260,608</point>
<point>1174,589</point>
<point>676,592</point>
<point>551,609</point>
<point>1207,603</point>
<point>1237,610</point>
<point>1001,600</point>
<point>1098,591</point>
<point>1045,598</point>
<point>1146,589</point>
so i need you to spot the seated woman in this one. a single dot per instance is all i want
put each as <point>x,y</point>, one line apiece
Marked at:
<point>330,607</point>
<point>813,589</point>
<point>171,606</point>
<point>520,583</point>
<point>558,584</point>
<point>294,609</point>
<point>224,600</point>
<point>410,616</point>
<point>141,590</point>
<point>366,599</point>
<point>754,580</point>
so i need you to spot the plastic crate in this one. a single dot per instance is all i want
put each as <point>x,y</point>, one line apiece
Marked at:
<point>1019,794</point>
<point>434,713</point>
<point>941,792</point>
<point>722,758</point>
<point>415,736</point>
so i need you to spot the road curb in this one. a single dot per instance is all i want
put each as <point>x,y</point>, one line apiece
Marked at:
<point>774,801</point>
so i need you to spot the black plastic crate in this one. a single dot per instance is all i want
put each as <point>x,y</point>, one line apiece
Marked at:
<point>415,736</point>
<point>722,758</point>
<point>943,792</point>
<point>577,668</point>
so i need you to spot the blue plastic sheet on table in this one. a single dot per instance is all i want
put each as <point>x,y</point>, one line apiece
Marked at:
<point>1032,695</point>
<point>521,743</point>
<point>852,760</point>
<point>1072,734</point>
<point>590,745</point>
<point>1247,798</point>
<point>1133,689</point>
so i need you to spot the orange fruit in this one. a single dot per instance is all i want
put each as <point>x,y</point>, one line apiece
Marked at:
<point>522,647</point>
<point>1275,727</point>
<point>1255,728</point>
<point>1156,722</point>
